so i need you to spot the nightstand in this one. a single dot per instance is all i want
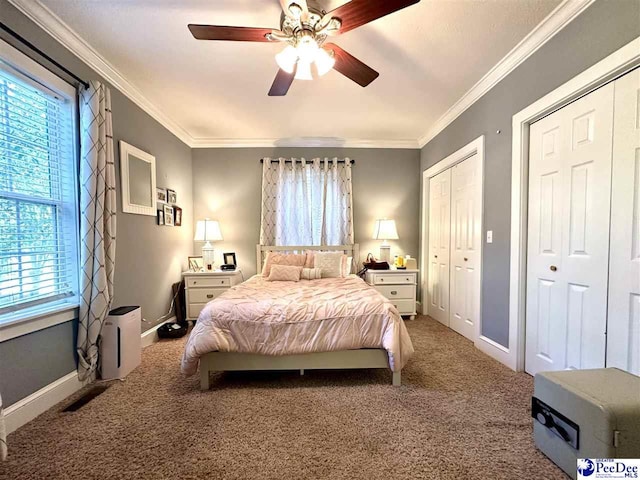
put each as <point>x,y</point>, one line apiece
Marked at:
<point>202,287</point>
<point>399,286</point>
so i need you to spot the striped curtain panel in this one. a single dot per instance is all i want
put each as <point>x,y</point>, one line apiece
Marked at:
<point>97,222</point>
<point>306,202</point>
<point>3,434</point>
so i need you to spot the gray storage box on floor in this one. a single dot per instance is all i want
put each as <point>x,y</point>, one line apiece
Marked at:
<point>586,414</point>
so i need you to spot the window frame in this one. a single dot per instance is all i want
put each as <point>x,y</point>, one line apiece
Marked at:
<point>32,318</point>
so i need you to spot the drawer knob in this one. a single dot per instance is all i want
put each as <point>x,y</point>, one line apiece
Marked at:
<point>435,256</point>
<point>210,295</point>
<point>194,282</point>
<point>465,259</point>
<point>553,268</point>
<point>394,292</point>
<point>382,279</point>
<point>407,279</point>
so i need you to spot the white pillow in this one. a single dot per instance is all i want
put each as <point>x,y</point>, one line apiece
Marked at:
<point>311,274</point>
<point>332,264</point>
<point>348,267</point>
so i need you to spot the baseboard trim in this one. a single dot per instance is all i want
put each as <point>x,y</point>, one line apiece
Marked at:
<point>38,402</point>
<point>151,336</point>
<point>25,410</point>
<point>495,350</point>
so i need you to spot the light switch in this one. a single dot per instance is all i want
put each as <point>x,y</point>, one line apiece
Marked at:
<point>489,236</point>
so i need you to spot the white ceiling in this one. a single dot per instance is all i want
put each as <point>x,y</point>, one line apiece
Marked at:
<point>428,56</point>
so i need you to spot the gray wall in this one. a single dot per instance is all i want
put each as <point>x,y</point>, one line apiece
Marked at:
<point>227,187</point>
<point>601,29</point>
<point>148,258</point>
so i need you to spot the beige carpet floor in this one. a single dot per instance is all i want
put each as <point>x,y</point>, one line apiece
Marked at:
<point>458,415</point>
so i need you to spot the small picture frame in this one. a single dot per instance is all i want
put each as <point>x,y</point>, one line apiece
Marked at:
<point>172,196</point>
<point>160,217</point>
<point>168,215</point>
<point>196,264</point>
<point>229,258</point>
<point>177,216</point>
<point>161,195</point>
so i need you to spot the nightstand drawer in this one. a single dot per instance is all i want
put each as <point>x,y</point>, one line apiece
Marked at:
<point>208,282</point>
<point>396,291</point>
<point>204,295</point>
<point>194,309</point>
<point>405,307</point>
<point>393,278</point>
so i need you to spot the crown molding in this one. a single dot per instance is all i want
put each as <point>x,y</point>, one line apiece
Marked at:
<point>309,142</point>
<point>61,32</point>
<point>541,34</point>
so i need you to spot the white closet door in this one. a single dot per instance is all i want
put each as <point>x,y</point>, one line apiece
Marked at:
<point>439,228</point>
<point>623,336</point>
<point>465,247</point>
<point>568,235</point>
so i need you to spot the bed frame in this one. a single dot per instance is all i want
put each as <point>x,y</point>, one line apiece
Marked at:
<point>345,359</point>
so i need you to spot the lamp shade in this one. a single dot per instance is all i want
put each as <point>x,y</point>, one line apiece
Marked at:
<point>385,230</point>
<point>207,231</point>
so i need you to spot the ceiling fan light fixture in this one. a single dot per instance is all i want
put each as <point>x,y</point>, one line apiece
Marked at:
<point>303,71</point>
<point>287,59</point>
<point>307,48</point>
<point>324,61</point>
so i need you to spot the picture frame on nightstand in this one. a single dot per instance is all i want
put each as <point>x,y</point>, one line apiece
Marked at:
<point>196,264</point>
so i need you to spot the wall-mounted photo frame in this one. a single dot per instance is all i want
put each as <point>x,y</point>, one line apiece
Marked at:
<point>168,215</point>
<point>160,217</point>
<point>196,264</point>
<point>230,258</point>
<point>172,196</point>
<point>177,216</point>
<point>138,180</point>
<point>161,195</point>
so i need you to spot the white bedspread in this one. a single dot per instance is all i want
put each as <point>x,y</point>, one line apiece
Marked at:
<point>284,318</point>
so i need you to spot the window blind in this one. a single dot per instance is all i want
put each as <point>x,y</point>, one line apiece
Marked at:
<point>38,219</point>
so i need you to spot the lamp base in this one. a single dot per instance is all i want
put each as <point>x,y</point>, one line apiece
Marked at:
<point>385,253</point>
<point>208,256</point>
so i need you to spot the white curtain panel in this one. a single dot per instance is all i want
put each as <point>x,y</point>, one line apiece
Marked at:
<point>97,222</point>
<point>3,434</point>
<point>306,203</point>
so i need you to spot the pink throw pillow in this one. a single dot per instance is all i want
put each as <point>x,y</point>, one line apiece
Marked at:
<point>284,273</point>
<point>275,258</point>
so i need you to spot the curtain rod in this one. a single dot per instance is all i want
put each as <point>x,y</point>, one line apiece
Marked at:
<point>26,42</point>
<point>274,160</point>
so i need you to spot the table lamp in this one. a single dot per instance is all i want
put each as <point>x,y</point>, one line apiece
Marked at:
<point>208,231</point>
<point>385,230</point>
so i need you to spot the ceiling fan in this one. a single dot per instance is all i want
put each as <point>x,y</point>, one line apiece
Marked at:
<point>305,26</point>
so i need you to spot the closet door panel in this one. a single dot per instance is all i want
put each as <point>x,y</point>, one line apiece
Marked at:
<point>568,239</point>
<point>465,246</point>
<point>623,331</point>
<point>439,238</point>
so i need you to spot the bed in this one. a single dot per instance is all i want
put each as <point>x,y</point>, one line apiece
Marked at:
<point>332,323</point>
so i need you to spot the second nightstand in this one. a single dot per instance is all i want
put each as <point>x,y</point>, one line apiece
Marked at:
<point>399,286</point>
<point>202,287</point>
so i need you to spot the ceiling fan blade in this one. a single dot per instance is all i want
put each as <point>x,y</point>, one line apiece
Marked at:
<point>281,83</point>
<point>358,12</point>
<point>350,66</point>
<point>239,34</point>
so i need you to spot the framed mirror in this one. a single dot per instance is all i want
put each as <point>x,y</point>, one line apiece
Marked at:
<point>138,180</point>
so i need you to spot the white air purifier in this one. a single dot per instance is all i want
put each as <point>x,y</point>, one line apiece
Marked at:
<point>120,348</point>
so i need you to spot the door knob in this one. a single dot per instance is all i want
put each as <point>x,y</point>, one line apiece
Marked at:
<point>553,268</point>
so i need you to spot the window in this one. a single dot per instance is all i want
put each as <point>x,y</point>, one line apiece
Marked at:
<point>38,206</point>
<point>306,203</point>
